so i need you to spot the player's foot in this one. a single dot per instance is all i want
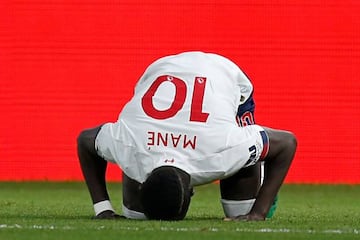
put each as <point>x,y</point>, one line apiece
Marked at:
<point>108,214</point>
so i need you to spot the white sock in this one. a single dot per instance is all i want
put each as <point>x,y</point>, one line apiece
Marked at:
<point>234,208</point>
<point>131,214</point>
<point>102,206</point>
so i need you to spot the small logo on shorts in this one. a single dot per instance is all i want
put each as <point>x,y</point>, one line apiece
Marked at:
<point>169,160</point>
<point>252,158</point>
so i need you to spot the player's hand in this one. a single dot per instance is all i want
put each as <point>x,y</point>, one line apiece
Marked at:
<point>248,217</point>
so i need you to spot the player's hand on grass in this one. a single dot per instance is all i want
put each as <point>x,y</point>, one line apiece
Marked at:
<point>248,217</point>
<point>108,215</point>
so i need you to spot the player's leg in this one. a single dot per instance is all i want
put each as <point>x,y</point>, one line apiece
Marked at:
<point>239,191</point>
<point>94,168</point>
<point>249,176</point>
<point>132,207</point>
<point>246,117</point>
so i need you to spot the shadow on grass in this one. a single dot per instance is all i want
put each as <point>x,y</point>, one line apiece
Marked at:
<point>34,216</point>
<point>43,217</point>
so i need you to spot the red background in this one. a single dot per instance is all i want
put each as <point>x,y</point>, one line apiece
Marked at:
<point>66,65</point>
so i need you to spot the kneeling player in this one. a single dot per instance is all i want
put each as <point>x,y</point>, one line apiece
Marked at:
<point>179,131</point>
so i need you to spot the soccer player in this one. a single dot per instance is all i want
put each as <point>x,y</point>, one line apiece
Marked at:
<point>180,130</point>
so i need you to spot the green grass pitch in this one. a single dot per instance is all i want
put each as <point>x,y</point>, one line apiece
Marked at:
<point>46,210</point>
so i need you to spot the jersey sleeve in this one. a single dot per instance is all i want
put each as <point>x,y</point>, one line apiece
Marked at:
<point>245,114</point>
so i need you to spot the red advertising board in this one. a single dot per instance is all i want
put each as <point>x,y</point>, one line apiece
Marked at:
<point>66,65</point>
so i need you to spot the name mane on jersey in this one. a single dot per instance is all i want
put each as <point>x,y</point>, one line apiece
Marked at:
<point>169,139</point>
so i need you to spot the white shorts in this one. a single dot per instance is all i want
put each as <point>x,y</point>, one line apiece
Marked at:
<point>243,147</point>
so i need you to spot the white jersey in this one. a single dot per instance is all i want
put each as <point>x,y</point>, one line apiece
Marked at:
<point>183,114</point>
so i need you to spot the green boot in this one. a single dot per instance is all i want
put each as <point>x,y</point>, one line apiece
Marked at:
<point>272,208</point>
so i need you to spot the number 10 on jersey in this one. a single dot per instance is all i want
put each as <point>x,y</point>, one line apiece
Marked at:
<point>196,111</point>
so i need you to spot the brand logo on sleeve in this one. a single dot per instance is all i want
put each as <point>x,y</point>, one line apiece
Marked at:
<point>252,157</point>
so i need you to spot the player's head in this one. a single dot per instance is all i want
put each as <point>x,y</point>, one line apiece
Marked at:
<point>166,193</point>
